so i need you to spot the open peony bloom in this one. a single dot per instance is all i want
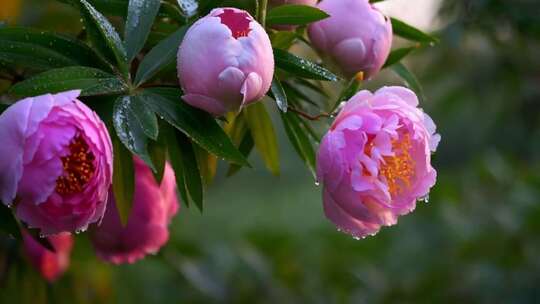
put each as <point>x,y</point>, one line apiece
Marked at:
<point>356,37</point>
<point>56,162</point>
<point>51,265</point>
<point>274,3</point>
<point>225,61</point>
<point>146,230</point>
<point>375,161</point>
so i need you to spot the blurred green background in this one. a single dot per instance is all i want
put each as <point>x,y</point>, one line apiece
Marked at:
<point>264,239</point>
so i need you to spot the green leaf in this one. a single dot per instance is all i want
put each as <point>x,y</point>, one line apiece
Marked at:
<point>160,56</point>
<point>103,36</point>
<point>294,15</point>
<point>279,94</point>
<point>207,164</point>
<point>397,55</point>
<point>196,124</point>
<point>245,147</point>
<point>8,223</point>
<point>283,39</point>
<point>301,67</point>
<point>141,15</point>
<point>123,180</point>
<point>175,157</point>
<point>409,32</point>
<point>264,135</point>
<point>300,140</point>
<point>89,80</point>
<point>40,50</point>
<point>158,155</point>
<point>169,10</point>
<point>129,128</point>
<point>108,7</point>
<point>348,91</point>
<point>240,135</point>
<point>409,79</point>
<point>184,163</point>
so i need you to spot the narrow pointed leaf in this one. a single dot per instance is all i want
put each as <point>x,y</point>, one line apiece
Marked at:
<point>175,157</point>
<point>103,36</point>
<point>160,56</point>
<point>123,179</point>
<point>397,55</point>
<point>39,50</point>
<point>409,32</point>
<point>129,129</point>
<point>294,15</point>
<point>196,124</point>
<point>301,67</point>
<point>186,168</point>
<point>158,154</point>
<point>89,80</point>
<point>263,133</point>
<point>279,94</point>
<point>8,223</point>
<point>300,140</point>
<point>141,15</point>
<point>409,79</point>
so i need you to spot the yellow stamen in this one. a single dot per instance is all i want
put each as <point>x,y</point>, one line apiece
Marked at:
<point>398,170</point>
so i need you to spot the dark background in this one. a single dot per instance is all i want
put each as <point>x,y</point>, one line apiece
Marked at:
<point>264,239</point>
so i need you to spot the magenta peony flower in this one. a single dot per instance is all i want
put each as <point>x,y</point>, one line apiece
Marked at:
<point>146,230</point>
<point>51,265</point>
<point>56,162</point>
<point>225,61</point>
<point>274,3</point>
<point>356,37</point>
<point>375,161</point>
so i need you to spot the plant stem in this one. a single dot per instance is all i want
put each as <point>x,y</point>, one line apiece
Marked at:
<point>308,116</point>
<point>262,12</point>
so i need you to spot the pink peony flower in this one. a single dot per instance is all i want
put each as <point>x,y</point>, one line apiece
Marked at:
<point>375,161</point>
<point>56,162</point>
<point>274,3</point>
<point>146,230</point>
<point>225,61</point>
<point>356,37</point>
<point>51,265</point>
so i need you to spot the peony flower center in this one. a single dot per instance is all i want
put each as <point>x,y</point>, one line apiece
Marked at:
<point>237,22</point>
<point>398,170</point>
<point>78,168</point>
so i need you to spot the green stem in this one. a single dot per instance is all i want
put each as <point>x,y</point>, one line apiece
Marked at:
<point>262,12</point>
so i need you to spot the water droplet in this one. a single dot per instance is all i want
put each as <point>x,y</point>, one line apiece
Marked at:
<point>425,198</point>
<point>42,236</point>
<point>318,184</point>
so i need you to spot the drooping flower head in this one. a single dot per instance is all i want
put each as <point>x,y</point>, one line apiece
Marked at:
<point>56,162</point>
<point>356,37</point>
<point>225,61</point>
<point>147,227</point>
<point>51,265</point>
<point>375,161</point>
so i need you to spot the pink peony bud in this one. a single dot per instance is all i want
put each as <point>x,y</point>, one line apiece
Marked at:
<point>51,265</point>
<point>356,37</point>
<point>56,162</point>
<point>225,61</point>
<point>375,161</point>
<point>146,230</point>
<point>274,3</point>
